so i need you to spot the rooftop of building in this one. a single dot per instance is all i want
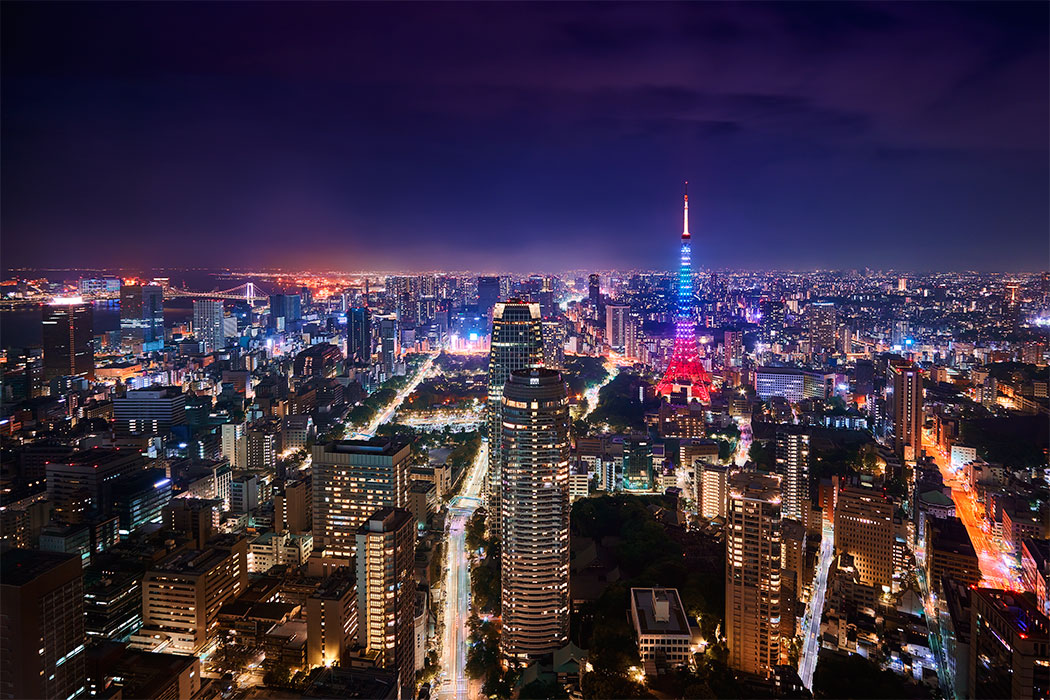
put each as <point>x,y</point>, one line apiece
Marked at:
<point>336,586</point>
<point>386,519</point>
<point>387,447</point>
<point>755,486</point>
<point>353,684</point>
<point>21,566</point>
<point>96,456</point>
<point>1019,609</point>
<point>659,611</point>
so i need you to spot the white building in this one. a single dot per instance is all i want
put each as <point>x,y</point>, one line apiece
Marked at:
<point>660,623</point>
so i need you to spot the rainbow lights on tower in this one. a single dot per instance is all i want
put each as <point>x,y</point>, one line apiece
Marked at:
<point>685,372</point>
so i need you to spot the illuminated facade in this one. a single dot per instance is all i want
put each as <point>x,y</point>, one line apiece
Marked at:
<point>352,479</point>
<point>905,409</point>
<point>68,339</point>
<point>685,373</point>
<point>864,530</point>
<point>753,563</point>
<point>386,592</point>
<point>535,534</point>
<point>517,343</point>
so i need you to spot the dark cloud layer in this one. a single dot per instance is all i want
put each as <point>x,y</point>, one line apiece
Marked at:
<point>518,136</point>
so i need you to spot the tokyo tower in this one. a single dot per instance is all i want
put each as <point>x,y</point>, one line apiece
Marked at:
<point>685,371</point>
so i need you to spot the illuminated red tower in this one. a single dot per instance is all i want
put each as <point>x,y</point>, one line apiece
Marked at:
<point>685,371</point>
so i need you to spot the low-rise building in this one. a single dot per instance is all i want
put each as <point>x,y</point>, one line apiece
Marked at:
<point>665,639</point>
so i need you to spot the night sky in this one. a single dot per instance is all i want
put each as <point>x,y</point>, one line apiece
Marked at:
<point>525,137</point>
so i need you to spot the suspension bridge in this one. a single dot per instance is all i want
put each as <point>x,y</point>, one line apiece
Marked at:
<point>249,292</point>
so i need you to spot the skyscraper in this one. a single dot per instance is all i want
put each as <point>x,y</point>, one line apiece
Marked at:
<point>388,343</point>
<point>617,317</point>
<point>535,516</point>
<point>488,294</point>
<point>905,409</point>
<point>684,372</point>
<point>793,465</point>
<point>207,324</point>
<point>517,343</point>
<point>753,562</point>
<point>285,311</point>
<point>352,479</point>
<point>821,323</point>
<point>359,335</point>
<point>68,338</point>
<point>386,592</point>
<point>594,292</point>
<point>141,314</point>
<point>42,627</point>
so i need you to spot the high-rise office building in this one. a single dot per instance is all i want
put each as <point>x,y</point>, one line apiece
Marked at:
<point>753,563</point>
<point>792,460</point>
<point>81,484</point>
<point>821,323</point>
<point>149,411</point>
<point>535,513</point>
<point>42,626</point>
<point>141,314</point>
<point>517,343</point>
<point>386,592</point>
<point>359,335</point>
<point>488,294</point>
<point>388,344</point>
<point>594,292</point>
<point>617,317</point>
<point>68,338</point>
<point>905,409</point>
<point>864,530</point>
<point>285,312</point>
<point>351,479</point>
<point>207,324</point>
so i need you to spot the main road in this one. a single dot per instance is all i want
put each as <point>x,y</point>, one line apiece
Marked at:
<point>994,569</point>
<point>815,610</point>
<point>390,409</point>
<point>454,682</point>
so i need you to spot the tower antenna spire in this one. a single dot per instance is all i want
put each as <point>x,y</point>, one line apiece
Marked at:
<point>685,212</point>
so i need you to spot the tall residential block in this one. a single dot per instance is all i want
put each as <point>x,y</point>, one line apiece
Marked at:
<point>386,592</point>
<point>905,409</point>
<point>617,317</point>
<point>350,480</point>
<point>753,567</point>
<point>535,518</point>
<point>792,460</point>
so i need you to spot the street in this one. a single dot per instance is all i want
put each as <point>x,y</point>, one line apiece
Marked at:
<point>994,570</point>
<point>815,610</point>
<point>391,408</point>
<point>453,680</point>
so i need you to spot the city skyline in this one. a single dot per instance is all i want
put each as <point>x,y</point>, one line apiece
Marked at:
<point>371,350</point>
<point>802,132</point>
